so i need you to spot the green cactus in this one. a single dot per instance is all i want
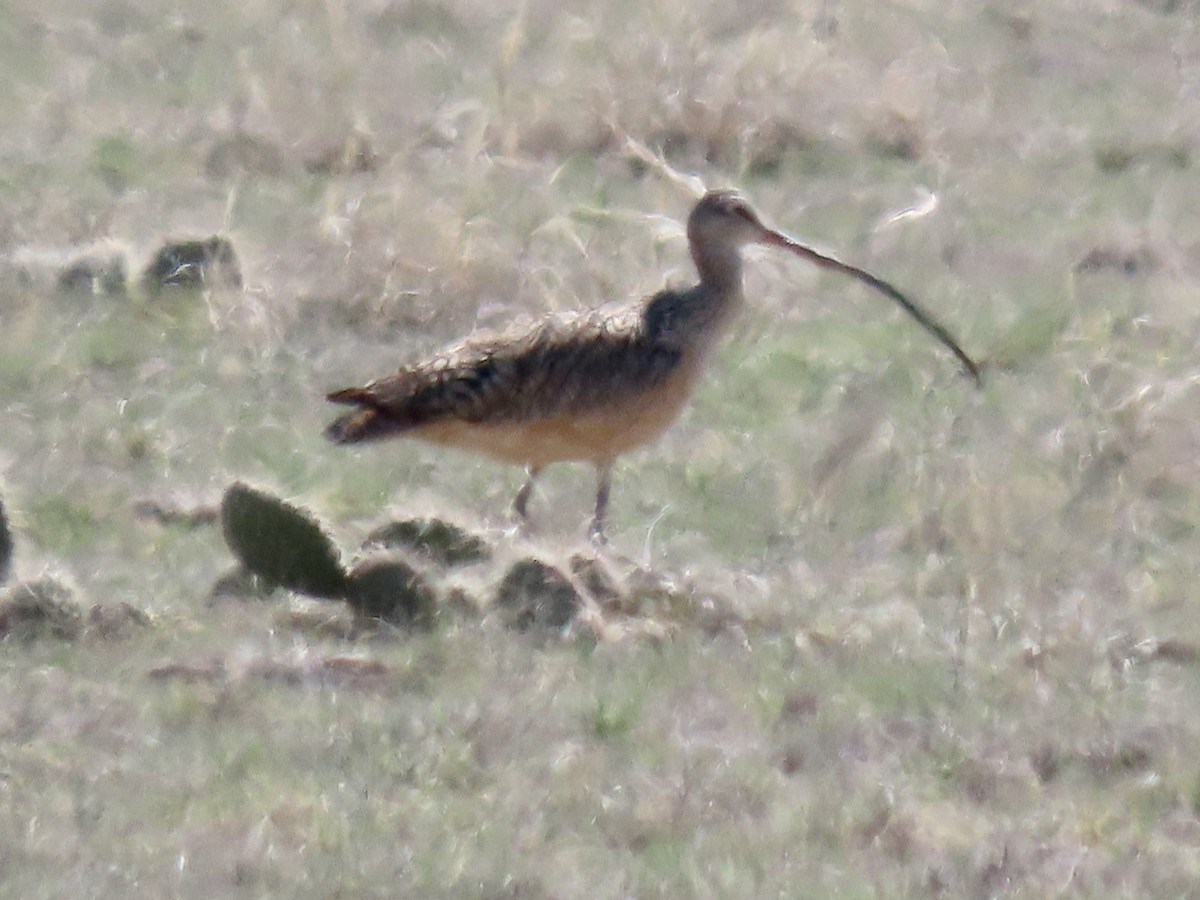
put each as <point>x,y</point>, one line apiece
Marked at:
<point>536,594</point>
<point>6,546</point>
<point>390,589</point>
<point>436,540</point>
<point>281,544</point>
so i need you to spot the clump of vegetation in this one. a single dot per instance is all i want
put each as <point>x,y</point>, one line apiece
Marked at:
<point>194,263</point>
<point>240,582</point>
<point>46,607</point>
<point>35,608</point>
<point>279,545</point>
<point>353,155</point>
<point>42,608</point>
<point>114,620</point>
<point>170,512</point>
<point>206,262</point>
<point>31,609</point>
<point>390,589</point>
<point>534,593</point>
<point>94,273</point>
<point>244,154</point>
<point>434,540</point>
<point>1117,157</point>
<point>599,580</point>
<point>1128,259</point>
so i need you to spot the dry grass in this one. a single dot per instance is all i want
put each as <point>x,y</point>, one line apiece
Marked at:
<point>940,641</point>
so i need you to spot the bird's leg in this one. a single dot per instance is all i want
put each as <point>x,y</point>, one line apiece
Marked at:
<point>521,503</point>
<point>603,483</point>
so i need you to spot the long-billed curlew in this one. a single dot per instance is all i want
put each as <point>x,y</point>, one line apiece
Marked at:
<point>590,387</point>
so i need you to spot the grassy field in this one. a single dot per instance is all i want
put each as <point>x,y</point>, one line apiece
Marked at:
<point>922,640</point>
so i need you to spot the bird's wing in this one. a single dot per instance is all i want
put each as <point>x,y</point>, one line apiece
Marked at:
<point>561,366</point>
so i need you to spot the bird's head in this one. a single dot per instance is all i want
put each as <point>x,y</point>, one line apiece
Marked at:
<point>723,222</point>
<point>724,219</point>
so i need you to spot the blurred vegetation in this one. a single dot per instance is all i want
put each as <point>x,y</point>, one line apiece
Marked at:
<point>925,640</point>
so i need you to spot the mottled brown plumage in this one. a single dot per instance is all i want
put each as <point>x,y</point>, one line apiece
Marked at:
<point>565,365</point>
<point>587,387</point>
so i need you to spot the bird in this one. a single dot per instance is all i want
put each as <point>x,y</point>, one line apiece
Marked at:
<point>593,385</point>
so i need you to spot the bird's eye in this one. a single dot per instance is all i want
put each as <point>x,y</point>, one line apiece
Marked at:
<point>742,211</point>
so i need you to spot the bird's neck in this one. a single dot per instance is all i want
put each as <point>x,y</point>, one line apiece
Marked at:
<point>692,321</point>
<point>718,298</point>
<point>720,268</point>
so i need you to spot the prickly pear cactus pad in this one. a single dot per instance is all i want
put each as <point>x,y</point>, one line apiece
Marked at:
<point>283,545</point>
<point>536,594</point>
<point>436,540</point>
<point>391,590</point>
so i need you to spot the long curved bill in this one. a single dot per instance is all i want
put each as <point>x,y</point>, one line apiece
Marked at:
<point>929,323</point>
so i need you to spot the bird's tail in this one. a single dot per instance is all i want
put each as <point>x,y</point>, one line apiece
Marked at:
<point>351,397</point>
<point>368,423</point>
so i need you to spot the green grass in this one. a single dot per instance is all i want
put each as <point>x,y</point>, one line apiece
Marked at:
<point>909,643</point>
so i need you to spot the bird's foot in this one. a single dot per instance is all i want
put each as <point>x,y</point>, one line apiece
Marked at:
<point>597,536</point>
